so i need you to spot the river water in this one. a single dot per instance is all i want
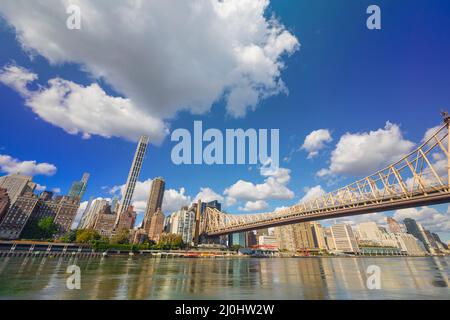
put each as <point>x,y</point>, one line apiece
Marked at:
<point>225,278</point>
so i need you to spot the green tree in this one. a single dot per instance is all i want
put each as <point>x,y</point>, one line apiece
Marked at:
<point>47,228</point>
<point>69,237</point>
<point>170,241</point>
<point>236,247</point>
<point>121,237</point>
<point>87,236</point>
<point>42,229</point>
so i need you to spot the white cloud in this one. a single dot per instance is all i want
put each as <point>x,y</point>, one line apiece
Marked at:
<point>377,217</point>
<point>163,57</point>
<point>10,165</point>
<point>40,187</point>
<point>430,218</point>
<point>274,187</point>
<point>207,195</point>
<point>56,190</point>
<point>312,193</point>
<point>174,200</point>
<point>366,152</point>
<point>316,141</point>
<point>17,78</point>
<point>255,205</point>
<point>84,110</point>
<point>430,132</point>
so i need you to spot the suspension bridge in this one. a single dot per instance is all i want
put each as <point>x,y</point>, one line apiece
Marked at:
<point>420,178</point>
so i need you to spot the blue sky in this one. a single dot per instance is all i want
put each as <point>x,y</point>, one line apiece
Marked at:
<point>340,77</point>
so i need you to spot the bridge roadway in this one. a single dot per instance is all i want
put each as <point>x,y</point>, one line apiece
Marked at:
<point>431,197</point>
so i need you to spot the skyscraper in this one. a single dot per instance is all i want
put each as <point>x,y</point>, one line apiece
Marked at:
<point>156,225</point>
<point>155,200</point>
<point>78,188</point>
<point>303,236</point>
<point>17,216</point>
<point>91,213</point>
<point>344,239</point>
<point>29,208</point>
<point>417,230</point>
<point>285,238</point>
<point>133,174</point>
<point>318,235</point>
<point>369,231</point>
<point>393,225</point>
<point>17,185</point>
<point>127,219</point>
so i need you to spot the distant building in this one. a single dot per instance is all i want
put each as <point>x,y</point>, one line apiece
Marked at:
<point>318,234</point>
<point>133,175</point>
<point>344,238</point>
<point>238,239</point>
<point>156,226</point>
<point>182,222</point>
<point>409,244</point>
<point>436,245</point>
<point>84,216</point>
<point>368,231</point>
<point>105,221</point>
<point>418,231</point>
<point>251,239</point>
<point>439,242</point>
<point>127,219</point>
<point>66,212</point>
<point>139,236</point>
<point>285,238</point>
<point>393,225</point>
<point>303,237</point>
<point>29,208</point>
<point>4,203</point>
<point>268,241</point>
<point>154,202</point>
<point>17,216</point>
<point>91,213</point>
<point>262,232</point>
<point>328,235</point>
<point>78,188</point>
<point>17,185</point>
<point>212,204</point>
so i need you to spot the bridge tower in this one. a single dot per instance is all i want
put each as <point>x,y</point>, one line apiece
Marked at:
<point>197,223</point>
<point>446,117</point>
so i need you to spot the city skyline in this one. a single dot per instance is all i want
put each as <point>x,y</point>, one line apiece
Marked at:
<point>317,138</point>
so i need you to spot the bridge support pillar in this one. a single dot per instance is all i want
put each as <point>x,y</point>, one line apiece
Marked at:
<point>197,223</point>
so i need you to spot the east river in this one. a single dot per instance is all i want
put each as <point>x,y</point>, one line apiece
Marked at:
<point>225,278</point>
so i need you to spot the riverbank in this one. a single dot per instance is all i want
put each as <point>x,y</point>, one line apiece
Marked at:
<point>51,249</point>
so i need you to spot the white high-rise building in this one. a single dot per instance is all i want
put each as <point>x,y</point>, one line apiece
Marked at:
<point>409,244</point>
<point>182,222</point>
<point>369,231</point>
<point>16,185</point>
<point>133,175</point>
<point>344,239</point>
<point>91,213</point>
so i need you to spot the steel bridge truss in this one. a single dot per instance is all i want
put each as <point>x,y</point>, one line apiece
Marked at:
<point>419,178</point>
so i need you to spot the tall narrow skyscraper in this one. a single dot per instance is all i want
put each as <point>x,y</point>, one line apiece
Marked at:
<point>134,174</point>
<point>155,200</point>
<point>78,188</point>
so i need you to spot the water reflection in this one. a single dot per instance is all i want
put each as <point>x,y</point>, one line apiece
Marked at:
<point>227,278</point>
